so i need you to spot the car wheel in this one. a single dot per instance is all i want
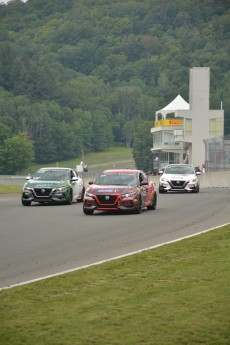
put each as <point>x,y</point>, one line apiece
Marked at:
<point>82,195</point>
<point>197,189</point>
<point>139,207</point>
<point>69,201</point>
<point>26,202</point>
<point>154,203</point>
<point>87,211</point>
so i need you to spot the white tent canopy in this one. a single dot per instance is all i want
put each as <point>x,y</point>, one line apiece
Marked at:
<point>177,104</point>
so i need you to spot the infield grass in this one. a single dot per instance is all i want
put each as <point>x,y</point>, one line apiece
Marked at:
<point>10,189</point>
<point>111,156</point>
<point>177,294</point>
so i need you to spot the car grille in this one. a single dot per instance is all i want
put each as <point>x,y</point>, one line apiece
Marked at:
<point>106,199</point>
<point>42,192</point>
<point>178,184</point>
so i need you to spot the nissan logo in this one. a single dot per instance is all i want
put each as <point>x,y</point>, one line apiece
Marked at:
<point>107,197</point>
<point>43,191</point>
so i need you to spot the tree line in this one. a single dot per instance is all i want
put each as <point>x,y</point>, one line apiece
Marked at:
<point>85,75</point>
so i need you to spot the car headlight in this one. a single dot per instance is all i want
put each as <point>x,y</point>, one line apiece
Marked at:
<point>193,180</point>
<point>27,189</point>
<point>61,189</point>
<point>128,195</point>
<point>88,194</point>
<point>163,179</point>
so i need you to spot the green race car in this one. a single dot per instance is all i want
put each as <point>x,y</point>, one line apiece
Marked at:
<point>53,185</point>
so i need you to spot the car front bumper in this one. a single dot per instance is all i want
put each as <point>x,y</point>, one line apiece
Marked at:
<point>53,197</point>
<point>119,204</point>
<point>182,186</point>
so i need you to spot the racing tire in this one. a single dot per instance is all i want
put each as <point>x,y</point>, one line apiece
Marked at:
<point>154,203</point>
<point>161,191</point>
<point>26,202</point>
<point>69,201</point>
<point>82,195</point>
<point>196,190</point>
<point>139,207</point>
<point>87,212</point>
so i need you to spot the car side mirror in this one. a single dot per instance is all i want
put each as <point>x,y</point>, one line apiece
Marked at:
<point>144,183</point>
<point>74,178</point>
<point>198,173</point>
<point>160,172</point>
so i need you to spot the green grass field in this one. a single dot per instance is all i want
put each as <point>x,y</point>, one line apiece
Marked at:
<point>10,189</point>
<point>114,154</point>
<point>177,294</point>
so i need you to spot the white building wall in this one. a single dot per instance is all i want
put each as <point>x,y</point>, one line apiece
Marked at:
<point>199,113</point>
<point>199,107</point>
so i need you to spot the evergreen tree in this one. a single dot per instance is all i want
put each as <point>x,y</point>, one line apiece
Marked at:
<point>142,145</point>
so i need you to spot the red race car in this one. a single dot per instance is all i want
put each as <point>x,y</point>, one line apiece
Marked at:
<point>120,190</point>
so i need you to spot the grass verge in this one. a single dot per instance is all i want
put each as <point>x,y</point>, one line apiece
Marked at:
<point>172,295</point>
<point>10,189</point>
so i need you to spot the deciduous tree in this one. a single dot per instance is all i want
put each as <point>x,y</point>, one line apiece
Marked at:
<point>16,154</point>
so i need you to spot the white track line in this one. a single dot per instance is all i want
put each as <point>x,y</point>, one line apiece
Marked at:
<point>111,259</point>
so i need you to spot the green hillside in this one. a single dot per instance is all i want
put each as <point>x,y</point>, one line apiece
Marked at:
<point>84,75</point>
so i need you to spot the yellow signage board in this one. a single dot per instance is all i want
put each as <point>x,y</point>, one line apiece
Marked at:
<point>169,122</point>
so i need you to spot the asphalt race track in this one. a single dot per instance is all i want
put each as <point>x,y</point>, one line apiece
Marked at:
<point>41,240</point>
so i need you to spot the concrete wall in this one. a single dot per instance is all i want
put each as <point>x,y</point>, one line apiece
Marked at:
<point>215,179</point>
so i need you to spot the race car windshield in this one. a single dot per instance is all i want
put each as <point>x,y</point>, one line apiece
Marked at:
<point>51,175</point>
<point>117,179</point>
<point>179,170</point>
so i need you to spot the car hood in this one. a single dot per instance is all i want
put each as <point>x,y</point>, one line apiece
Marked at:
<point>46,184</point>
<point>179,177</point>
<point>96,189</point>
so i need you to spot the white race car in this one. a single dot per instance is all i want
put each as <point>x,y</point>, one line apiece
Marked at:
<point>179,177</point>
